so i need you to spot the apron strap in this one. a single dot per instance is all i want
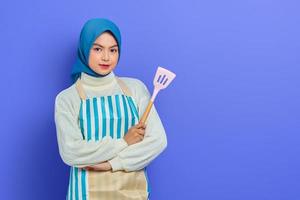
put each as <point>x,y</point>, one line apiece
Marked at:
<point>124,87</point>
<point>121,83</point>
<point>80,89</point>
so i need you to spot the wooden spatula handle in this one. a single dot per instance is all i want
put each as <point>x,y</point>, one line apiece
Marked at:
<point>147,111</point>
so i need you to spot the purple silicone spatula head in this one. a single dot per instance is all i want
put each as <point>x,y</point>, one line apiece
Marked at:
<point>162,79</point>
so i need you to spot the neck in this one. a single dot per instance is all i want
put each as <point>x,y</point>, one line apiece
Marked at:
<point>93,81</point>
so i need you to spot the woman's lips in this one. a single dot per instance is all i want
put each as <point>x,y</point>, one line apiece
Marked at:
<point>104,66</point>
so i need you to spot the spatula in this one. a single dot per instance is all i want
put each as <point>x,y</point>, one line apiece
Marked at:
<point>162,79</point>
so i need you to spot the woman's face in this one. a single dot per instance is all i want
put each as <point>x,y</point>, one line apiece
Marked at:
<point>104,54</point>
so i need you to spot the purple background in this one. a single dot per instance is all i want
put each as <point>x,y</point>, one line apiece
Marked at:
<point>232,114</point>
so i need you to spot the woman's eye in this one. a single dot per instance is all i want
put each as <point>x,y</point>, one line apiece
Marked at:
<point>97,49</point>
<point>113,50</point>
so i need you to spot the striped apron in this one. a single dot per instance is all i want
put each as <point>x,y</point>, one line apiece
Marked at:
<point>99,117</point>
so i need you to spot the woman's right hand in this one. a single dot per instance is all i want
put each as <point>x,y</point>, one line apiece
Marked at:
<point>135,134</point>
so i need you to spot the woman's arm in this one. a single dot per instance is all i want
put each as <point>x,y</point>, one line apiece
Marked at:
<point>75,151</point>
<point>139,155</point>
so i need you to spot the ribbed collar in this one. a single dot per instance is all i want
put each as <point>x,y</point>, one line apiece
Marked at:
<point>92,81</point>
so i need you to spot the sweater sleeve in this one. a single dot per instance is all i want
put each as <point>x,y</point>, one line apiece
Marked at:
<point>73,150</point>
<point>139,155</point>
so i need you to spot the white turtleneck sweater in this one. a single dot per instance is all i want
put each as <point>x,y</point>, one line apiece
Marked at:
<point>77,152</point>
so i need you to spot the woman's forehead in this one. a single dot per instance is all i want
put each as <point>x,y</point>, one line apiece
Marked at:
<point>106,40</point>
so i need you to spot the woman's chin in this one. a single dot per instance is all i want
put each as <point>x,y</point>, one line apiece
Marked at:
<point>103,73</point>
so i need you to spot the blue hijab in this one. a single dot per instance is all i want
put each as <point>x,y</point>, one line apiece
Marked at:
<point>89,33</point>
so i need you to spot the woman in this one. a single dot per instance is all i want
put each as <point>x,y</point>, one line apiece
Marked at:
<point>97,122</point>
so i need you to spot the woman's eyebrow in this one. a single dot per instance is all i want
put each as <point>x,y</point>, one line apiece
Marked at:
<point>103,47</point>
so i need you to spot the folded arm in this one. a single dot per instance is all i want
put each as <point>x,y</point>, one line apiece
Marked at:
<point>75,151</point>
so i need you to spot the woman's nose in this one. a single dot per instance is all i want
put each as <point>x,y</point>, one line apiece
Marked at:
<point>105,56</point>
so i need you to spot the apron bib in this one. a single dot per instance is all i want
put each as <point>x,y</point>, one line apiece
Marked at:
<point>99,117</point>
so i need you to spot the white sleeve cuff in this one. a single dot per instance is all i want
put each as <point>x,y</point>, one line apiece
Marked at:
<point>116,164</point>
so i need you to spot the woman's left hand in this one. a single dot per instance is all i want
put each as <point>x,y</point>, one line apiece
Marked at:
<point>99,167</point>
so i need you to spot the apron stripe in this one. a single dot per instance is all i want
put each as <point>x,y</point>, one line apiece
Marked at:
<point>81,120</point>
<point>88,119</point>
<point>96,119</point>
<point>79,184</point>
<point>119,116</point>
<point>92,120</point>
<point>115,121</point>
<point>99,120</point>
<point>122,116</point>
<point>132,112</point>
<point>84,119</point>
<point>103,117</point>
<point>107,116</point>
<point>111,116</point>
<point>134,108</point>
<point>76,184</point>
<point>126,114</point>
<point>83,186</point>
